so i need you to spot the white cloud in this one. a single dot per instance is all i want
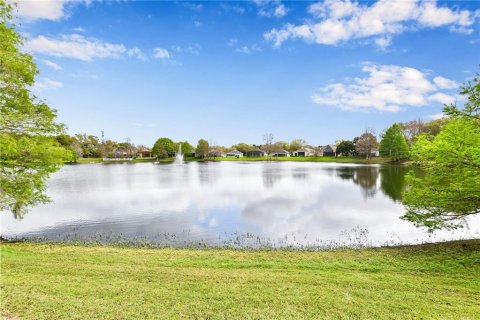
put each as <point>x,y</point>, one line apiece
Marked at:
<point>43,9</point>
<point>232,8</point>
<point>383,42</point>
<point>191,49</point>
<point>136,52</point>
<point>31,9</point>
<point>386,88</point>
<point>248,50</point>
<point>79,29</point>
<point>232,42</point>
<point>52,65</point>
<point>436,116</point>
<point>197,23</point>
<point>192,6</point>
<point>335,22</point>
<point>75,46</point>
<point>444,83</point>
<point>46,83</point>
<point>442,98</point>
<point>162,53</point>
<point>271,8</point>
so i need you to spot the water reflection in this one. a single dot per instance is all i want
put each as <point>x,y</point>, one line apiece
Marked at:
<point>284,202</point>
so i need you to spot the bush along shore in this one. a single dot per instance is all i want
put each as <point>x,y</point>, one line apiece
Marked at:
<point>62,281</point>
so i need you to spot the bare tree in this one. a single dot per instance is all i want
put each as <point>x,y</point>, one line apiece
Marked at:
<point>366,143</point>
<point>412,129</point>
<point>268,139</point>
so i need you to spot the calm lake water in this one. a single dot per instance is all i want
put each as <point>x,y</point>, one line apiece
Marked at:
<point>233,203</point>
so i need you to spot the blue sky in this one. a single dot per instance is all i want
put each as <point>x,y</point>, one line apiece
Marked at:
<point>232,71</point>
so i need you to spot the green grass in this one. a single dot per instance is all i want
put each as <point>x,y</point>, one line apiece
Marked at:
<point>53,281</point>
<point>294,159</point>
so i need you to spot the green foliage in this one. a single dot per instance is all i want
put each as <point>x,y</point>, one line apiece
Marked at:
<point>450,188</point>
<point>393,144</point>
<point>345,148</point>
<point>29,151</point>
<point>187,148</point>
<point>471,109</point>
<point>163,148</point>
<point>202,148</point>
<point>244,147</point>
<point>296,144</point>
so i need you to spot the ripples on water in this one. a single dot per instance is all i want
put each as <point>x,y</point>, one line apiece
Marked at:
<point>232,204</point>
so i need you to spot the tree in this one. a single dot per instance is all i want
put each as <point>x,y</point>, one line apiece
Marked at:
<point>393,144</point>
<point>187,148</point>
<point>29,150</point>
<point>268,140</point>
<point>471,109</point>
<point>297,144</point>
<point>345,148</point>
<point>202,148</point>
<point>243,147</point>
<point>412,129</point>
<point>449,189</point>
<point>163,148</point>
<point>366,144</point>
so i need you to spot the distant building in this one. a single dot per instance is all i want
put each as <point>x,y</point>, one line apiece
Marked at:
<point>280,153</point>
<point>216,153</point>
<point>144,153</point>
<point>304,152</point>
<point>329,151</point>
<point>255,153</point>
<point>234,153</point>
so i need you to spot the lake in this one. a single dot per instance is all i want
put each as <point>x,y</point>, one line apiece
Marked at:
<point>243,204</point>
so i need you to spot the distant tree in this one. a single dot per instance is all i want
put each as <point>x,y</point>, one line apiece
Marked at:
<point>393,144</point>
<point>243,147</point>
<point>366,144</point>
<point>412,129</point>
<point>202,148</point>
<point>345,148</point>
<point>186,147</point>
<point>281,145</point>
<point>70,143</point>
<point>268,140</point>
<point>29,151</point>
<point>296,144</point>
<point>163,148</point>
<point>433,128</point>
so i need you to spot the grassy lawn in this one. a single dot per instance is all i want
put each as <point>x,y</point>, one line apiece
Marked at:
<point>42,281</point>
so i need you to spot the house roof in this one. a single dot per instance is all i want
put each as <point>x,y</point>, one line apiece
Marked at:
<point>304,150</point>
<point>234,152</point>
<point>256,150</point>
<point>280,151</point>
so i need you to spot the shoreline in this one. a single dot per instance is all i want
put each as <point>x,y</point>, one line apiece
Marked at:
<point>355,160</point>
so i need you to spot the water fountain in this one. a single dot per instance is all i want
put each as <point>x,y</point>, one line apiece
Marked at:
<point>179,155</point>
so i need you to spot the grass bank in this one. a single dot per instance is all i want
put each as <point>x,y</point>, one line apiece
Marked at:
<point>375,160</point>
<point>434,281</point>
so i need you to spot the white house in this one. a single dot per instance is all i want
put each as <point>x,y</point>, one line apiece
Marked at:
<point>280,153</point>
<point>304,152</point>
<point>234,153</point>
